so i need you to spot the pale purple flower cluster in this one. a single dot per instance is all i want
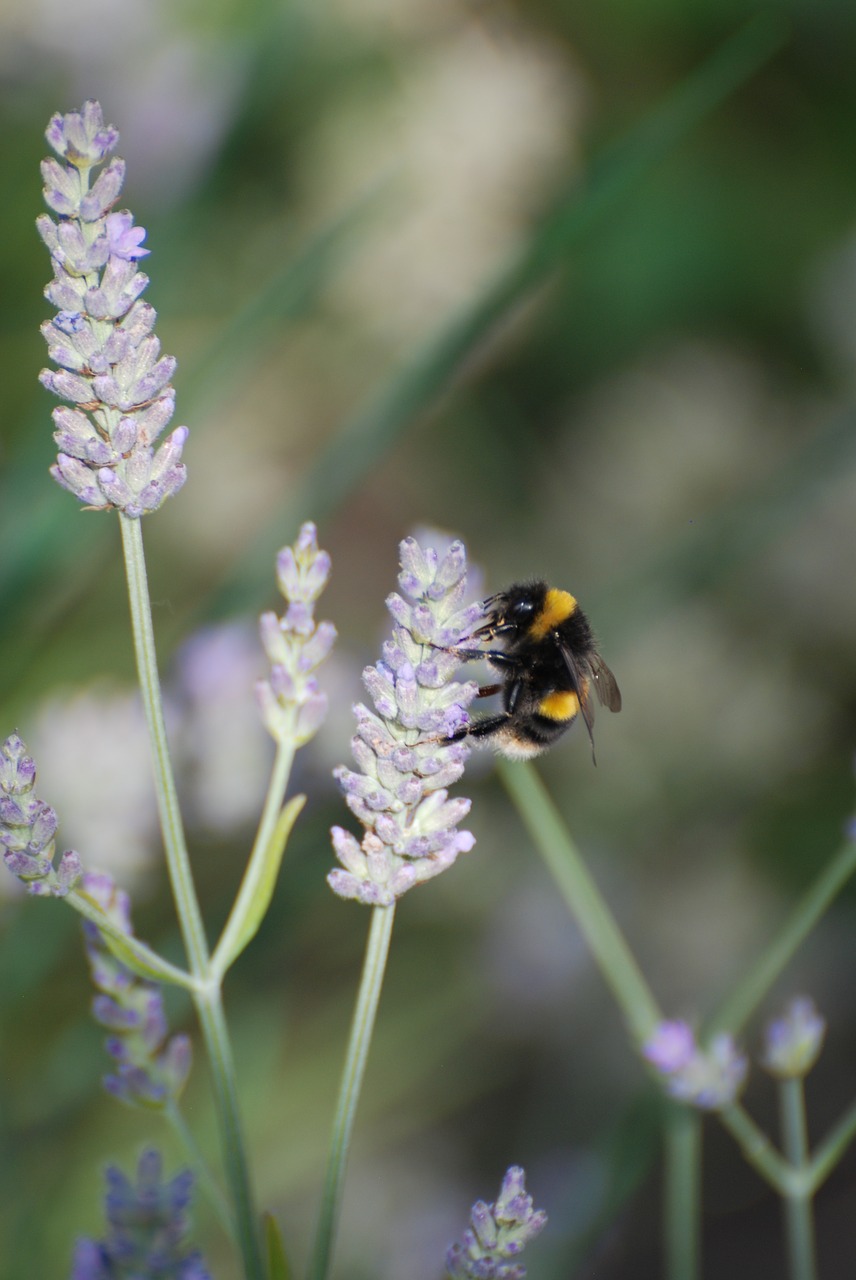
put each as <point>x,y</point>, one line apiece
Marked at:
<point>147,1222</point>
<point>111,369</point>
<point>497,1234</point>
<point>28,827</point>
<point>792,1043</point>
<point>149,1069</point>
<point>292,705</point>
<point>406,764</point>
<point>709,1078</point>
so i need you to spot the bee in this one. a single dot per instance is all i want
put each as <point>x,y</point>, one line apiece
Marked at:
<point>544,648</point>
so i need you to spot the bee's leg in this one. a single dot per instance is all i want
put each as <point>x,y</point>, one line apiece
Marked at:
<point>488,690</point>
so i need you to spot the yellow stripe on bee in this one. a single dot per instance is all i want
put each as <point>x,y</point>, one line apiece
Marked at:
<point>559,706</point>
<point>558,607</point>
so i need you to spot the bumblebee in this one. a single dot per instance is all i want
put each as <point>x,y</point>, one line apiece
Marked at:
<point>544,648</point>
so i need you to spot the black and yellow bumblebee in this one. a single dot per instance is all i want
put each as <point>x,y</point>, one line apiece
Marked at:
<point>550,666</point>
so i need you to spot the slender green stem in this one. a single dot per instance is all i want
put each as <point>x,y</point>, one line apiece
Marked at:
<point>209,1007</point>
<point>207,992</point>
<point>742,1002</point>
<point>832,1148</point>
<point>256,864</point>
<point>682,1198</point>
<point>594,919</point>
<point>178,862</point>
<point>374,967</point>
<point>799,1209</point>
<point>149,963</point>
<point>757,1149</point>
<point>205,1177</point>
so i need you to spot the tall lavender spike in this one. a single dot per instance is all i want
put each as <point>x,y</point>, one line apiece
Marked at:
<point>497,1234</point>
<point>149,1069</point>
<point>400,794</point>
<point>28,827</point>
<point>111,370</point>
<point>147,1222</point>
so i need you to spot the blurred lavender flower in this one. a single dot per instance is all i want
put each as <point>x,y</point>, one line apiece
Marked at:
<point>146,1222</point>
<point>709,1078</point>
<point>792,1043</point>
<point>150,1070</point>
<point>291,703</point>
<point>111,369</point>
<point>28,827</point>
<point>497,1234</point>
<point>400,794</point>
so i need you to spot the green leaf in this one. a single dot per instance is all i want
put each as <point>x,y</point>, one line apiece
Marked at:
<point>132,953</point>
<point>256,891</point>
<point>277,1263</point>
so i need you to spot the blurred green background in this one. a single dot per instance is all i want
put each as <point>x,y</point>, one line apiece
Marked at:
<point>576,283</point>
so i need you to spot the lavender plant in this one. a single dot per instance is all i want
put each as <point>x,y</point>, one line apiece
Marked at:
<point>119,401</point>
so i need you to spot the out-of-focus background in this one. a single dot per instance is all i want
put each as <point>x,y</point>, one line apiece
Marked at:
<point>412,281</point>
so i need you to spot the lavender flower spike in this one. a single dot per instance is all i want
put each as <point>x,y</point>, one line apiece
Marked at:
<point>147,1222</point>
<point>497,1234</point>
<point>709,1078</point>
<point>291,703</point>
<point>149,1069</point>
<point>28,827</point>
<point>400,794</point>
<point>110,370</point>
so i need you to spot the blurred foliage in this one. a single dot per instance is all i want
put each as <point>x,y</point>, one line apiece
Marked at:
<point>576,283</point>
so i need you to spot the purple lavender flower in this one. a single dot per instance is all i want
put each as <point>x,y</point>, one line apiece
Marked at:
<point>111,368</point>
<point>149,1069</point>
<point>28,827</point>
<point>400,793</point>
<point>497,1234</point>
<point>146,1226</point>
<point>709,1078</point>
<point>292,705</point>
<point>792,1043</point>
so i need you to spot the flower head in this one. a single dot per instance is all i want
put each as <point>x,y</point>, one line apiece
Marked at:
<point>147,1221</point>
<point>111,372</point>
<point>28,827</point>
<point>406,763</point>
<point>497,1234</point>
<point>149,1068</point>
<point>292,705</point>
<point>709,1078</point>
<point>792,1043</point>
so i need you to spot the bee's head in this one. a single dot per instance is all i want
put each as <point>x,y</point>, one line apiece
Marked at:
<point>511,612</point>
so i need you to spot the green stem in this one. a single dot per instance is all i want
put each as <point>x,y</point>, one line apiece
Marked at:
<point>149,963</point>
<point>740,1005</point>
<point>757,1149</point>
<point>256,865</point>
<point>799,1210</point>
<point>374,967</point>
<point>832,1148</point>
<point>205,1177</point>
<point>206,995</point>
<point>594,919</point>
<point>178,862</point>
<point>682,1199</point>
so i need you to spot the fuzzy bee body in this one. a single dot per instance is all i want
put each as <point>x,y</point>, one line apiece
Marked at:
<point>542,645</point>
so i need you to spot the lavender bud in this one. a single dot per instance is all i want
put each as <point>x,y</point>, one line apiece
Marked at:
<point>405,766</point>
<point>102,338</point>
<point>792,1043</point>
<point>291,705</point>
<point>709,1078</point>
<point>497,1234</point>
<point>146,1226</point>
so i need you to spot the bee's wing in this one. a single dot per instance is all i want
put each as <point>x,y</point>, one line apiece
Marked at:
<point>608,693</point>
<point>582,687</point>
